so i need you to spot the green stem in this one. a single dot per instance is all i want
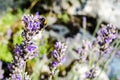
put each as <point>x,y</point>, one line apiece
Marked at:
<point>97,27</point>
<point>23,72</point>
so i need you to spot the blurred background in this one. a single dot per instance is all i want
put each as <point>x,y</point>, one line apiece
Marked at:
<point>70,21</point>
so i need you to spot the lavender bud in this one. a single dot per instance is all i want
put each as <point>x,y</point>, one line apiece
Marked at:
<point>106,34</point>
<point>91,74</point>
<point>84,50</point>
<point>58,53</point>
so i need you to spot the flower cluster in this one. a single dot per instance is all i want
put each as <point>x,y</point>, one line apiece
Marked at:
<point>33,24</point>
<point>91,74</point>
<point>58,53</point>
<point>17,75</point>
<point>27,49</point>
<point>105,36</point>
<point>84,50</point>
<point>95,50</point>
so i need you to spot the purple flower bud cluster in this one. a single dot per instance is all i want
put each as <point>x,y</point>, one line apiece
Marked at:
<point>84,50</point>
<point>27,49</point>
<point>105,36</point>
<point>58,54</point>
<point>101,45</point>
<point>96,49</point>
<point>33,24</point>
<point>91,74</point>
<point>1,71</point>
<point>18,75</point>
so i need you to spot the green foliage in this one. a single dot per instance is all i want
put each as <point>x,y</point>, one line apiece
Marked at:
<point>5,55</point>
<point>17,38</point>
<point>8,19</point>
<point>64,18</point>
<point>45,48</point>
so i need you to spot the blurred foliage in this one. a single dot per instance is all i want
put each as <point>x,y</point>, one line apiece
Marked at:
<point>7,21</point>
<point>64,18</point>
<point>45,48</point>
<point>10,20</point>
<point>17,38</point>
<point>5,54</point>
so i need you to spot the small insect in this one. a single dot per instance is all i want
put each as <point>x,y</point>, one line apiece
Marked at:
<point>43,23</point>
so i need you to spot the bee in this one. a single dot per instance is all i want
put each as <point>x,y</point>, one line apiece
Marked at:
<point>43,23</point>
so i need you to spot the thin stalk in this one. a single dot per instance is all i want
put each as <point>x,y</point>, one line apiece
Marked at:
<point>97,27</point>
<point>31,6</point>
<point>23,72</point>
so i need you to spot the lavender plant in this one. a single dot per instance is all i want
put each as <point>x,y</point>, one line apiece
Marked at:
<point>27,49</point>
<point>58,55</point>
<point>97,48</point>
<point>104,37</point>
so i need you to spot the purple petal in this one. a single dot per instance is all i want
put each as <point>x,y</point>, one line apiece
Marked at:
<point>63,59</point>
<point>30,25</point>
<point>79,51</point>
<point>54,53</point>
<point>56,45</point>
<point>54,63</point>
<point>31,48</point>
<point>25,19</point>
<point>37,15</point>
<point>87,74</point>
<point>17,50</point>
<point>36,25</point>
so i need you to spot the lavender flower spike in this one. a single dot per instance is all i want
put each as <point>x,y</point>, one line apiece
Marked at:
<point>58,53</point>
<point>105,36</point>
<point>27,48</point>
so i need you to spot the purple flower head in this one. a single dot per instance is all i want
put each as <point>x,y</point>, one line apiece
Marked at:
<point>57,45</point>
<point>25,19</point>
<point>17,50</point>
<point>37,15</point>
<point>54,63</point>
<point>84,50</point>
<point>21,63</point>
<point>32,22</point>
<point>102,31</point>
<point>54,53</point>
<point>36,54</point>
<point>36,25</point>
<point>16,77</point>
<point>31,48</point>
<point>30,25</point>
<point>91,74</point>
<point>27,49</point>
<point>87,74</point>
<point>63,59</point>
<point>106,34</point>
<point>58,53</point>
